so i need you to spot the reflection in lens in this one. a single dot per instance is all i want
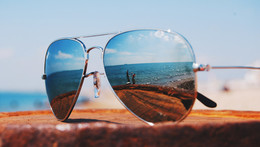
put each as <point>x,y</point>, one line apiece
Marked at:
<point>151,73</point>
<point>64,68</point>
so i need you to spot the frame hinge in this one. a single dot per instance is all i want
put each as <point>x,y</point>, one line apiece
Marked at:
<point>201,67</point>
<point>44,76</point>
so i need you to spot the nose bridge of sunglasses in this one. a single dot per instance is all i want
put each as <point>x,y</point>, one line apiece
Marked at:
<point>96,62</point>
<point>93,68</point>
<point>92,48</point>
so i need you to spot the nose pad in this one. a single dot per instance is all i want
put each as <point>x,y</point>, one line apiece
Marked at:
<point>96,82</point>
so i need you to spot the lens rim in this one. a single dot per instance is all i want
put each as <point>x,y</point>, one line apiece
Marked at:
<point>193,59</point>
<point>81,80</point>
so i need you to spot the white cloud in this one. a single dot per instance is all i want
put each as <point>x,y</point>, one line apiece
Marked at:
<point>62,55</point>
<point>162,35</point>
<point>141,36</point>
<point>6,53</point>
<point>184,46</point>
<point>166,38</point>
<point>110,51</point>
<point>159,34</point>
<point>178,39</point>
<point>125,53</point>
<point>80,58</point>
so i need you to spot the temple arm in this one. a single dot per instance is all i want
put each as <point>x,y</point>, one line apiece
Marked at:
<point>205,67</point>
<point>206,101</point>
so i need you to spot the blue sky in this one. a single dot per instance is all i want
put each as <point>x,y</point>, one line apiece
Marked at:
<point>221,32</point>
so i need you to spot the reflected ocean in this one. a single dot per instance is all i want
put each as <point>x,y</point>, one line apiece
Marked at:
<point>63,82</point>
<point>150,73</point>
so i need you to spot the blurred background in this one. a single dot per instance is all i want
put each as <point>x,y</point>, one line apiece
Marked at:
<point>221,32</point>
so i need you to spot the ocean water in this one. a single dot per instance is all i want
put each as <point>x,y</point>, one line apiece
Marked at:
<point>150,73</point>
<point>18,101</point>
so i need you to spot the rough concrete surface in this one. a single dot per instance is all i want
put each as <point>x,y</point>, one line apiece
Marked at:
<point>120,128</point>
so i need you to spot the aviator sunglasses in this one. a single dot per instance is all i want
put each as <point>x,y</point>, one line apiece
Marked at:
<point>152,73</point>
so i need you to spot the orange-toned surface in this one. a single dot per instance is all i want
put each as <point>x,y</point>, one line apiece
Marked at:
<point>122,116</point>
<point>119,128</point>
<point>155,103</point>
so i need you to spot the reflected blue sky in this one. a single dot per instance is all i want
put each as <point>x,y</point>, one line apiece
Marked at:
<point>147,46</point>
<point>64,55</point>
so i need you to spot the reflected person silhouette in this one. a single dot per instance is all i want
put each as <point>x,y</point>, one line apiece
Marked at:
<point>133,78</point>
<point>127,77</point>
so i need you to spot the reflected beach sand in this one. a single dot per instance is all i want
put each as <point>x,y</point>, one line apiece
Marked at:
<point>62,103</point>
<point>155,103</point>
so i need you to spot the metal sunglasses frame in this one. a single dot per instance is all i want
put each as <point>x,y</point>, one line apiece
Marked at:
<point>196,67</point>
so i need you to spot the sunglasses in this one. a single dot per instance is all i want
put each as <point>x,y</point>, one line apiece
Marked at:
<point>152,73</point>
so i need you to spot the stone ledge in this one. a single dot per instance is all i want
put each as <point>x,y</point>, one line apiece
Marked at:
<point>120,128</point>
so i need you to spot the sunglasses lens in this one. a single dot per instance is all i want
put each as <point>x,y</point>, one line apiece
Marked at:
<point>151,72</point>
<point>64,68</point>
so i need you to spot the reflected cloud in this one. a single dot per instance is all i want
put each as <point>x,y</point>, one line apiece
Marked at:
<point>178,39</point>
<point>113,51</point>
<point>110,51</point>
<point>62,55</point>
<point>125,53</point>
<point>80,59</point>
<point>161,34</point>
